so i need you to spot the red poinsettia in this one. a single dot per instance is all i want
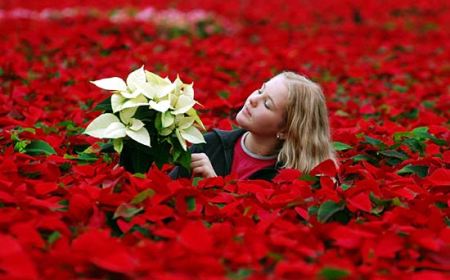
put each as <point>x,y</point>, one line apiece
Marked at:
<point>68,211</point>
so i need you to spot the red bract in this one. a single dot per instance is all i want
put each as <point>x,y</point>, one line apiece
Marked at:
<point>15,263</point>
<point>440,177</point>
<point>104,251</point>
<point>68,211</point>
<point>189,238</point>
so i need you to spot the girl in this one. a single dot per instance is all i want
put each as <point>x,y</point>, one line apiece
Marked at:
<point>284,124</point>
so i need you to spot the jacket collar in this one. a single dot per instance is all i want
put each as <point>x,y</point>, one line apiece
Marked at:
<point>228,138</point>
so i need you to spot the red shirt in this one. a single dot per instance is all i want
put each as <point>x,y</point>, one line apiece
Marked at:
<point>245,163</point>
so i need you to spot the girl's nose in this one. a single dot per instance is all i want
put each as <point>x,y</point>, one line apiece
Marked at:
<point>252,100</point>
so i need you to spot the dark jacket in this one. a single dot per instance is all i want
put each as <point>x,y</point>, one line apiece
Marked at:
<point>219,148</point>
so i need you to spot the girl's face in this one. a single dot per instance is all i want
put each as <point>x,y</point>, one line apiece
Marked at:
<point>264,110</point>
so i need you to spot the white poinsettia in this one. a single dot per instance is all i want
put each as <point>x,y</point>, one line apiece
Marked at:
<point>192,113</point>
<point>167,119</point>
<point>160,105</point>
<point>132,88</point>
<point>170,104</point>
<point>106,126</point>
<point>119,103</point>
<point>182,88</point>
<point>158,90</point>
<point>184,130</point>
<point>182,99</point>
<point>110,126</point>
<point>181,104</point>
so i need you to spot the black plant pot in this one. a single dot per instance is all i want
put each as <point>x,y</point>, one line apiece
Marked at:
<point>135,157</point>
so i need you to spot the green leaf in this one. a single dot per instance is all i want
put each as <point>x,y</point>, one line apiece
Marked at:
<point>415,145</point>
<point>415,139</point>
<point>140,175</point>
<point>223,94</point>
<point>333,273</point>
<point>85,157</point>
<point>339,146</point>
<point>105,105</point>
<point>309,178</point>
<point>400,88</point>
<point>345,187</point>
<point>328,209</point>
<point>142,196</point>
<point>394,154</point>
<point>107,147</point>
<point>378,201</point>
<point>126,211</point>
<point>190,201</point>
<point>184,159</point>
<point>413,114</point>
<point>44,127</point>
<point>82,157</point>
<point>438,141</point>
<point>374,142</point>
<point>429,104</point>
<point>398,136</point>
<point>158,122</point>
<point>145,232</point>
<point>362,157</point>
<point>393,161</point>
<point>21,145</point>
<point>420,170</point>
<point>207,224</point>
<point>246,210</point>
<point>421,132</point>
<point>447,221</point>
<point>241,274</point>
<point>396,202</point>
<point>275,256</point>
<point>313,210</point>
<point>53,237</point>
<point>71,128</point>
<point>441,205</point>
<point>64,202</point>
<point>377,210</point>
<point>118,145</point>
<point>37,147</point>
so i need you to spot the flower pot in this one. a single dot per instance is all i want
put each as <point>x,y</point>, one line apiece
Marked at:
<point>135,157</point>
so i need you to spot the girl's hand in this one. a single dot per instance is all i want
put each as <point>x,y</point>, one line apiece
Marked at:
<point>201,166</point>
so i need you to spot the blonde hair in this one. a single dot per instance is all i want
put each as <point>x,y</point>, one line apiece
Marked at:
<point>307,132</point>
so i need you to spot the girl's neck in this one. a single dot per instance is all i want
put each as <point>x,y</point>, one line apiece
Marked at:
<point>261,145</point>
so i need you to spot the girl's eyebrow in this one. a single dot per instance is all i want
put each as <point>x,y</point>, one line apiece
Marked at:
<point>263,86</point>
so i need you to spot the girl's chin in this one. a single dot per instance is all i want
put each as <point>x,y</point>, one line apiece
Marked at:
<point>240,119</point>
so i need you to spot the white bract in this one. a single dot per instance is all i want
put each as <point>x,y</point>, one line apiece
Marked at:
<point>183,98</point>
<point>184,129</point>
<point>130,89</point>
<point>109,126</point>
<point>126,95</point>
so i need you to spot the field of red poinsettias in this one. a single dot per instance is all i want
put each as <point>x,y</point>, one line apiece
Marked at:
<point>67,211</point>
